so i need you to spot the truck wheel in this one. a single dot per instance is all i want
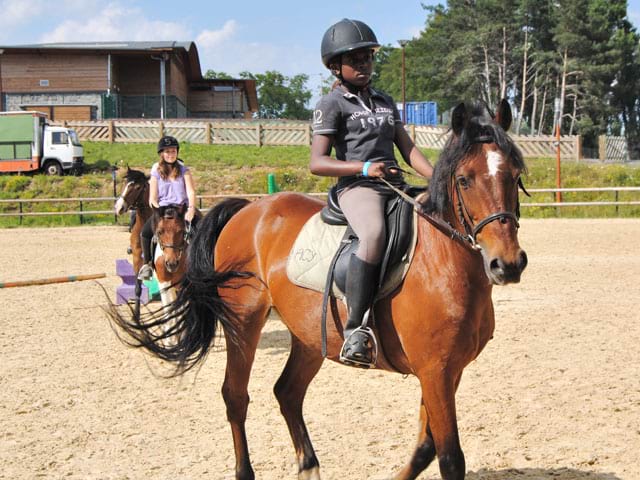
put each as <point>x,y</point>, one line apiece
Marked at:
<point>52,168</point>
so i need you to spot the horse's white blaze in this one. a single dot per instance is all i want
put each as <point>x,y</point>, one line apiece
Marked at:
<point>120,205</point>
<point>494,160</point>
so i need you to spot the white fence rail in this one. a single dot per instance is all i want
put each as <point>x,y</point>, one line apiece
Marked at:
<point>21,212</point>
<point>255,132</point>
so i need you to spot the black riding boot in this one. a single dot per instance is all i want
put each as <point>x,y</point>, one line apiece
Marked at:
<point>359,343</point>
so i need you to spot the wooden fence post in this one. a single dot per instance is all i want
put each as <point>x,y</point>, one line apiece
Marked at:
<point>259,134</point>
<point>110,131</point>
<point>602,147</point>
<point>578,148</point>
<point>308,134</point>
<point>412,129</point>
<point>207,133</point>
<point>161,129</point>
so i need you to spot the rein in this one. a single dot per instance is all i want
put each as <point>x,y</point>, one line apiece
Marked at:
<point>469,238</point>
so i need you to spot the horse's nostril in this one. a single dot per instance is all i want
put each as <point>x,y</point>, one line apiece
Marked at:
<point>496,265</point>
<point>524,261</point>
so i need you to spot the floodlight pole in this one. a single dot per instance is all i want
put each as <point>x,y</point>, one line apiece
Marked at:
<point>556,111</point>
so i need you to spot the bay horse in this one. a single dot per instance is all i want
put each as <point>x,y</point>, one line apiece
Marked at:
<point>170,260</point>
<point>135,194</point>
<point>436,322</point>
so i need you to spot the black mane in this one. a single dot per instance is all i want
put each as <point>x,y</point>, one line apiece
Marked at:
<point>136,176</point>
<point>479,127</point>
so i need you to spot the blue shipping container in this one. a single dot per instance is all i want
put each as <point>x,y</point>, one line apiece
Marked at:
<point>421,113</point>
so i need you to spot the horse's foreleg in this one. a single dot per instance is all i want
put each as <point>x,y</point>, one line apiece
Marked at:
<point>167,293</point>
<point>240,358</point>
<point>438,393</point>
<point>302,366</point>
<point>425,450</point>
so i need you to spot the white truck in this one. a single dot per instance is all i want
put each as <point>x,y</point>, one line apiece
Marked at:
<point>28,143</point>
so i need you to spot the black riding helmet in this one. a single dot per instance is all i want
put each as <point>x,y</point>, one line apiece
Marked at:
<point>344,36</point>
<point>166,142</point>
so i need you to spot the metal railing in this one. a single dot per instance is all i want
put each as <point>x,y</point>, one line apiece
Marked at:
<point>82,212</point>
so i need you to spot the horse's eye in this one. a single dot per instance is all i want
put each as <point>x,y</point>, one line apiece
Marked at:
<point>463,182</point>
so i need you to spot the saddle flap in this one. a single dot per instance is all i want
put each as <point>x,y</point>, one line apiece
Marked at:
<point>317,243</point>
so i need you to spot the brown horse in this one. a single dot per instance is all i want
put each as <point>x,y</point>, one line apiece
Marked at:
<point>170,260</point>
<point>432,326</point>
<point>135,194</point>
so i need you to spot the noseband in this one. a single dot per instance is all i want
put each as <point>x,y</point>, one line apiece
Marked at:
<point>472,230</point>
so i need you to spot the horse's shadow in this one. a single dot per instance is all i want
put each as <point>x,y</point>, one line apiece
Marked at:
<point>539,474</point>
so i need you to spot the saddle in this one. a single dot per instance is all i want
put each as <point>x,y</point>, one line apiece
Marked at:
<point>400,232</point>
<point>325,243</point>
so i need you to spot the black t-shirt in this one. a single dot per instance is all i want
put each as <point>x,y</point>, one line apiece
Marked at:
<point>362,131</point>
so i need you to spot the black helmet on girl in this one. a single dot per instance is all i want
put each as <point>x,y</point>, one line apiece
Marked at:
<point>167,142</point>
<point>344,36</point>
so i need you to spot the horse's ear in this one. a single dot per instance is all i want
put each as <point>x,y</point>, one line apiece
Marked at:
<point>503,115</point>
<point>458,118</point>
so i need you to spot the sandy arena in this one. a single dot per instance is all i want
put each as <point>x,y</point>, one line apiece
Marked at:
<point>555,394</point>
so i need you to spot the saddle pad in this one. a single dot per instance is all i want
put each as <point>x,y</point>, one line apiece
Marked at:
<point>314,248</point>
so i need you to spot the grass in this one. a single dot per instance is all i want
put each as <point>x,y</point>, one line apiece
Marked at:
<point>241,169</point>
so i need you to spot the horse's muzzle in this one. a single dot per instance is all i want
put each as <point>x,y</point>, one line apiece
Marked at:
<point>172,265</point>
<point>501,272</point>
<point>120,206</point>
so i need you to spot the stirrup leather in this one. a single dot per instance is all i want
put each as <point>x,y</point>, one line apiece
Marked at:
<point>361,338</point>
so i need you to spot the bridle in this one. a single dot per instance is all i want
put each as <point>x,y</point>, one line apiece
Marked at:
<point>469,237</point>
<point>466,220</point>
<point>178,248</point>
<point>137,203</point>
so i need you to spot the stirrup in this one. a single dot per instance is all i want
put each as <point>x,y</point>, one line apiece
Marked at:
<point>360,349</point>
<point>145,272</point>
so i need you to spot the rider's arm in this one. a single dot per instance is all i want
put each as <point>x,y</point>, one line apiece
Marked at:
<point>153,192</point>
<point>191,195</point>
<point>411,154</point>
<point>322,164</point>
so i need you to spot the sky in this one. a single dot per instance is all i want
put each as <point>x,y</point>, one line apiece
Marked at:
<point>250,35</point>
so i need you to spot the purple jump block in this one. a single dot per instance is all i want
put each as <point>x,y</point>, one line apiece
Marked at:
<point>127,290</point>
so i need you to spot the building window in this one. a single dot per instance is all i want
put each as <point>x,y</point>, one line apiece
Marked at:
<point>44,83</point>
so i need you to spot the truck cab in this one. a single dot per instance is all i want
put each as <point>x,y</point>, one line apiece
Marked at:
<point>62,151</point>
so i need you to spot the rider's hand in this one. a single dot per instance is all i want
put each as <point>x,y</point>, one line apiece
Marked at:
<point>377,170</point>
<point>191,212</point>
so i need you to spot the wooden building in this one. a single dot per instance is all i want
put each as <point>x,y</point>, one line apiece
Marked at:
<point>88,81</point>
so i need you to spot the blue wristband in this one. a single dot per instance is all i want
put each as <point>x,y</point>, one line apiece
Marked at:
<point>365,168</point>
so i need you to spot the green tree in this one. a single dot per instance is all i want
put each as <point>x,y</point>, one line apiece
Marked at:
<point>212,74</point>
<point>280,96</point>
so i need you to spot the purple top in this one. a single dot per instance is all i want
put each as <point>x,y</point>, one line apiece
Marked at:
<point>171,191</point>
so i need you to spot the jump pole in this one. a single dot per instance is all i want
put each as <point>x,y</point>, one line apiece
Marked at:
<point>46,281</point>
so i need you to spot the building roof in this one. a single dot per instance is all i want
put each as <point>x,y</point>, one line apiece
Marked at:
<point>188,49</point>
<point>149,46</point>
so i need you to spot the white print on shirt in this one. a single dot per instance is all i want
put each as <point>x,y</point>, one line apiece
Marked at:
<point>317,116</point>
<point>377,120</point>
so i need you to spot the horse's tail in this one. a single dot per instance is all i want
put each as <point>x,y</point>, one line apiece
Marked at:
<point>183,331</point>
